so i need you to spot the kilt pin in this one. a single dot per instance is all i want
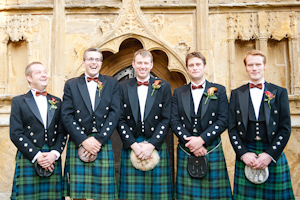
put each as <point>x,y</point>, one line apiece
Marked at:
<point>210,122</point>
<point>94,180</point>
<point>28,133</point>
<point>155,183</point>
<point>273,131</point>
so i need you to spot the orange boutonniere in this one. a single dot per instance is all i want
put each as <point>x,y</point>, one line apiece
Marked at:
<point>52,102</point>
<point>99,87</point>
<point>210,94</point>
<point>269,96</point>
<point>155,86</point>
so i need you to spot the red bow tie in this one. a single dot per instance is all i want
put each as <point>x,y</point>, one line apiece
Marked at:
<point>197,87</point>
<point>38,93</point>
<point>89,79</point>
<point>139,83</point>
<point>259,86</point>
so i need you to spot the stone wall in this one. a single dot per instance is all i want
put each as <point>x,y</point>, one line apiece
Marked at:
<point>57,32</point>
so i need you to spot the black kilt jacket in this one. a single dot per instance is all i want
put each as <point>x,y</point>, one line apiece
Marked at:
<point>277,119</point>
<point>156,115</point>
<point>27,130</point>
<point>78,116</point>
<point>214,114</point>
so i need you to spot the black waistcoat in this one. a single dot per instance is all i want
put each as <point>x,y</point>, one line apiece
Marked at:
<point>196,117</point>
<point>256,127</point>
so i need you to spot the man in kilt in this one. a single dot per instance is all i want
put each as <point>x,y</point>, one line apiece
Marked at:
<point>199,117</point>
<point>259,129</point>
<point>90,113</point>
<point>145,116</point>
<point>36,131</point>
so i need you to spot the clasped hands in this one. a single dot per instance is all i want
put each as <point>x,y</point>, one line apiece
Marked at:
<point>92,146</point>
<point>195,145</point>
<point>46,160</point>
<point>260,161</point>
<point>143,150</point>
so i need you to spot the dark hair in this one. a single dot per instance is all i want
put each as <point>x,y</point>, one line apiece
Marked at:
<point>255,53</point>
<point>193,55</point>
<point>92,49</point>
<point>28,70</point>
<point>143,53</point>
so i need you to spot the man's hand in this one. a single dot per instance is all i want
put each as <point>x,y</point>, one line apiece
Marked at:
<point>147,149</point>
<point>92,145</point>
<point>249,158</point>
<point>262,161</point>
<point>46,160</point>
<point>137,149</point>
<point>200,152</point>
<point>194,143</point>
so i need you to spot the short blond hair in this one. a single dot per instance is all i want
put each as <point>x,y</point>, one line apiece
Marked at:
<point>144,53</point>
<point>28,70</point>
<point>255,52</point>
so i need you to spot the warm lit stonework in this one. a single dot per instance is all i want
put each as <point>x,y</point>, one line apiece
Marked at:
<point>56,32</point>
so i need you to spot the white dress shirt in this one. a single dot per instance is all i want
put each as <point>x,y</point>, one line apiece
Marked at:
<point>42,104</point>
<point>256,97</point>
<point>92,89</point>
<point>142,92</point>
<point>197,95</point>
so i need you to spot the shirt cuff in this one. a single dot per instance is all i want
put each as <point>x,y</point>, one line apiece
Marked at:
<point>56,153</point>
<point>272,158</point>
<point>35,157</point>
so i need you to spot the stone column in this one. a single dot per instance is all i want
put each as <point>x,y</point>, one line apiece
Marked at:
<point>3,68</point>
<point>202,26</point>
<point>58,61</point>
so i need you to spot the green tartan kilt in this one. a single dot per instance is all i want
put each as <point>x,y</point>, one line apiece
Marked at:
<point>154,184</point>
<point>277,187</point>
<point>28,185</point>
<point>214,185</point>
<point>94,180</point>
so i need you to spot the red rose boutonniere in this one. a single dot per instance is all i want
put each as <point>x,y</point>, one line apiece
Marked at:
<point>210,94</point>
<point>99,87</point>
<point>269,96</point>
<point>52,102</point>
<point>155,86</point>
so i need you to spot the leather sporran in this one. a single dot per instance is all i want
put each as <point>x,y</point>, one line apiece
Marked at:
<point>41,171</point>
<point>197,166</point>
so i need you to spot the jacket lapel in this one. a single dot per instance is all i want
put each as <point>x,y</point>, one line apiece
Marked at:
<point>244,97</point>
<point>97,98</point>
<point>267,110</point>
<point>150,99</point>
<point>84,93</point>
<point>50,113</point>
<point>186,101</point>
<point>133,99</point>
<point>204,97</point>
<point>32,106</point>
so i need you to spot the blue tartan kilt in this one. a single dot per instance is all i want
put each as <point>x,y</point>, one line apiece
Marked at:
<point>28,185</point>
<point>277,187</point>
<point>94,180</point>
<point>154,184</point>
<point>215,184</point>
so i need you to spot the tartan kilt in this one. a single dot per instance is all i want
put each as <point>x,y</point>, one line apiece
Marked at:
<point>278,185</point>
<point>94,180</point>
<point>28,185</point>
<point>145,185</point>
<point>215,184</point>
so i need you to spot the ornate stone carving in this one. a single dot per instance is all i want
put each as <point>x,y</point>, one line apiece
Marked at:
<point>246,26</point>
<point>183,48</point>
<point>106,25</point>
<point>16,27</point>
<point>157,23</point>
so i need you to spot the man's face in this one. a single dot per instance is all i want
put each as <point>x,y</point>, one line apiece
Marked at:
<point>39,77</point>
<point>196,69</point>
<point>255,68</point>
<point>142,66</point>
<point>92,63</point>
